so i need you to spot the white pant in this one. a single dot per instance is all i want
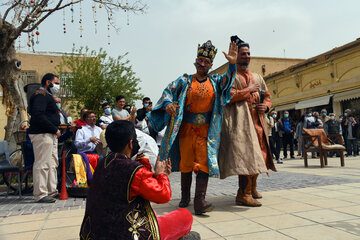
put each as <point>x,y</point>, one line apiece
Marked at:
<point>46,161</point>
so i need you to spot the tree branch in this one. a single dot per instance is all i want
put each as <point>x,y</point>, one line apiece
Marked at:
<point>64,6</point>
<point>8,10</point>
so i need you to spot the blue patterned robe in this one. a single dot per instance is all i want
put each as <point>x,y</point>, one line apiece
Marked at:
<point>176,92</point>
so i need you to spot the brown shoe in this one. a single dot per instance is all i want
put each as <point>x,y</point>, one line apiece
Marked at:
<point>244,197</point>
<point>255,194</point>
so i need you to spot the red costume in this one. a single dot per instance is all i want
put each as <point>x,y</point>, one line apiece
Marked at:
<point>118,203</point>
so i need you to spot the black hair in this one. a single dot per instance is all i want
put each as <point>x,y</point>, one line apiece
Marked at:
<point>48,76</point>
<point>104,105</point>
<point>119,97</point>
<point>118,134</point>
<point>87,113</point>
<point>146,99</point>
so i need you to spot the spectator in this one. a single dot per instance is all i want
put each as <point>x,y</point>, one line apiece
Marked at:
<point>332,126</point>
<point>127,107</point>
<point>119,113</point>
<point>107,118</point>
<point>311,122</point>
<point>276,137</point>
<point>62,113</point>
<point>287,127</point>
<point>147,107</point>
<point>350,126</point>
<point>81,122</point>
<point>324,117</point>
<point>319,122</point>
<point>66,131</point>
<point>44,134</point>
<point>88,136</point>
<point>270,125</point>
<point>299,134</point>
<point>143,120</point>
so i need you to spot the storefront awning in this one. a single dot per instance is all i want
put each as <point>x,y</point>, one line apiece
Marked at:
<point>285,107</point>
<point>347,95</point>
<point>313,102</point>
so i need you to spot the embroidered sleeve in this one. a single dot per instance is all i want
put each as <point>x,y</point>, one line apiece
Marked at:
<point>156,190</point>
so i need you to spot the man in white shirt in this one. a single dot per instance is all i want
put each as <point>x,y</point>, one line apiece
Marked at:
<point>89,135</point>
<point>107,118</point>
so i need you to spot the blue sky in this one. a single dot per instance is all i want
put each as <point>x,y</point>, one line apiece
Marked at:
<point>162,43</point>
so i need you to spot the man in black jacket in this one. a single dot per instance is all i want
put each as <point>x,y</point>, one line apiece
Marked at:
<point>44,134</point>
<point>350,126</point>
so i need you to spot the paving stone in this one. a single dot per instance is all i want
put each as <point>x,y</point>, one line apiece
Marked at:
<point>281,180</point>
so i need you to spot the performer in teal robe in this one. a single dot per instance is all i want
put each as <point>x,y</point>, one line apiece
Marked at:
<point>176,92</point>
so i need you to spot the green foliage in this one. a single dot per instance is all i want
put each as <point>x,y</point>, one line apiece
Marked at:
<point>90,78</point>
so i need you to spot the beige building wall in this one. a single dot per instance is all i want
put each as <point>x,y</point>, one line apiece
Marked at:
<point>34,66</point>
<point>265,65</point>
<point>331,73</point>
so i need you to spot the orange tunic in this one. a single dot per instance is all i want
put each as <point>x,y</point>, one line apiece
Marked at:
<point>193,137</point>
<point>252,99</point>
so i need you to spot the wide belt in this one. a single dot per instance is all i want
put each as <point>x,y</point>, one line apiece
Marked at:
<point>197,118</point>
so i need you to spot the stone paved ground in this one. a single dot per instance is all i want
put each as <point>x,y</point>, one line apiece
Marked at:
<point>291,175</point>
<point>299,203</point>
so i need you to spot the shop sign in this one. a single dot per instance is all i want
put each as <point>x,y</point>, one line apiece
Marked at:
<point>315,84</point>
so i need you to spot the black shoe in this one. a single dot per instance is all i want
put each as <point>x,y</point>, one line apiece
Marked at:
<point>47,199</point>
<point>279,161</point>
<point>191,235</point>
<point>292,157</point>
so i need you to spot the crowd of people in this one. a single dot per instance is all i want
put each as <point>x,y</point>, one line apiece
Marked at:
<point>207,125</point>
<point>285,131</point>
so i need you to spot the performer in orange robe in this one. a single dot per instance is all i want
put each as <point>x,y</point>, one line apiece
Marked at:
<point>194,132</point>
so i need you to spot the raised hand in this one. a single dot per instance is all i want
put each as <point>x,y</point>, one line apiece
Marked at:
<point>231,56</point>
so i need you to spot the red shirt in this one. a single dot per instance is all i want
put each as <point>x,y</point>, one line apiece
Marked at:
<point>144,184</point>
<point>80,123</point>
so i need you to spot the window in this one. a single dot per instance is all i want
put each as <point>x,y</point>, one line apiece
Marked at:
<point>64,92</point>
<point>28,77</point>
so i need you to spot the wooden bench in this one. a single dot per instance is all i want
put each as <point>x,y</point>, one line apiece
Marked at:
<point>316,140</point>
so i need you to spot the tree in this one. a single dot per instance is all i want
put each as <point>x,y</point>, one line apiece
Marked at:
<point>94,77</point>
<point>24,16</point>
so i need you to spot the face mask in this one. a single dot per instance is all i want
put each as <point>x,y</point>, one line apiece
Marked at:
<point>340,119</point>
<point>274,116</point>
<point>58,105</point>
<point>345,114</point>
<point>107,111</point>
<point>146,105</point>
<point>332,117</point>
<point>55,89</point>
<point>136,147</point>
<point>324,114</point>
<point>309,114</point>
<point>286,115</point>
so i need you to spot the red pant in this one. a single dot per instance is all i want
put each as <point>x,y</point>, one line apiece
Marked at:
<point>175,224</point>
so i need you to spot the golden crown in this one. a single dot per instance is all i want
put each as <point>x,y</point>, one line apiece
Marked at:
<point>207,50</point>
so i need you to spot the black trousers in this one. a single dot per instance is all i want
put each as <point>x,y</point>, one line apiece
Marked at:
<point>273,147</point>
<point>277,146</point>
<point>352,147</point>
<point>288,139</point>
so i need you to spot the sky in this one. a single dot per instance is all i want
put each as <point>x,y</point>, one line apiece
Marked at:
<point>162,43</point>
